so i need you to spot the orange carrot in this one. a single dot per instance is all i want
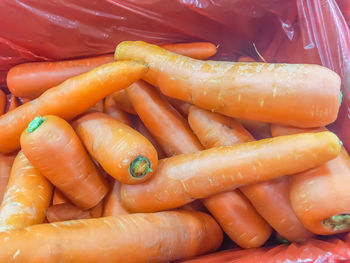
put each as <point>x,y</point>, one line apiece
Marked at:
<point>260,130</point>
<point>2,102</point>
<point>195,205</point>
<point>97,107</point>
<point>197,50</point>
<point>166,125</point>
<point>121,99</point>
<point>180,106</point>
<point>181,178</point>
<point>6,162</point>
<point>27,196</point>
<point>115,239</point>
<point>138,125</point>
<point>58,197</point>
<point>12,103</point>
<point>113,205</point>
<point>69,99</point>
<point>111,108</point>
<point>293,94</point>
<point>236,215</point>
<point>52,146</point>
<point>30,80</point>
<point>123,153</point>
<point>246,59</point>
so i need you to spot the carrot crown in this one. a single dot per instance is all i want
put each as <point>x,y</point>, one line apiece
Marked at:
<point>140,167</point>
<point>34,124</point>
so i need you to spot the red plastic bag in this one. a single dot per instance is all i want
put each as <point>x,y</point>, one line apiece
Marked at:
<point>294,31</point>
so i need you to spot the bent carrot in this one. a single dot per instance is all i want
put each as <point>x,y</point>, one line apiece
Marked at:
<point>115,239</point>
<point>30,80</point>
<point>69,99</point>
<point>293,94</point>
<point>27,196</point>
<point>181,178</point>
<point>166,125</point>
<point>6,162</point>
<point>2,102</point>
<point>113,205</point>
<point>123,153</point>
<point>111,108</point>
<point>320,196</point>
<point>52,146</point>
<point>233,211</point>
<point>58,197</point>
<point>197,50</point>
<point>138,125</point>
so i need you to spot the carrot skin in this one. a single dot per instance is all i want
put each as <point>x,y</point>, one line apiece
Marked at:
<point>293,94</point>
<point>26,198</point>
<point>67,211</point>
<point>197,50</point>
<point>180,179</point>
<point>6,162</point>
<point>59,198</point>
<point>111,108</point>
<point>69,167</point>
<point>69,99</point>
<point>2,102</point>
<point>116,147</point>
<point>180,106</point>
<point>115,239</point>
<point>113,205</point>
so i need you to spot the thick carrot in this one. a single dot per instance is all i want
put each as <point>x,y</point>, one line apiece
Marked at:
<point>197,50</point>
<point>6,162</point>
<point>67,211</point>
<point>27,196</point>
<point>137,238</point>
<point>113,205</point>
<point>30,80</point>
<point>236,215</point>
<point>52,146</point>
<point>121,99</point>
<point>181,178</point>
<point>123,153</point>
<point>12,103</point>
<point>138,125</point>
<point>320,196</point>
<point>166,125</point>
<point>111,108</point>
<point>58,197</point>
<point>69,99</point>
<point>2,102</point>
<point>180,106</point>
<point>295,94</point>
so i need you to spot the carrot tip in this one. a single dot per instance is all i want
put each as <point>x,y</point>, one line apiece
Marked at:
<point>34,124</point>
<point>339,222</point>
<point>140,167</point>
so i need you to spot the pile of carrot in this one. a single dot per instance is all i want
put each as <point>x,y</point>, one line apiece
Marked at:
<point>151,154</point>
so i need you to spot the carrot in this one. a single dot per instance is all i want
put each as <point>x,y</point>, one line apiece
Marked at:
<point>195,205</point>
<point>98,106</point>
<point>181,178</point>
<point>138,125</point>
<point>320,197</point>
<point>111,108</point>
<point>30,80</point>
<point>123,153</point>
<point>180,106</point>
<point>6,162</point>
<point>69,99</point>
<point>246,59</point>
<point>294,94</point>
<point>27,196</point>
<point>197,50</point>
<point>12,103</point>
<point>260,130</point>
<point>166,125</point>
<point>52,146</point>
<point>58,197</point>
<point>233,211</point>
<point>113,205</point>
<point>123,102</point>
<point>173,235</point>
<point>2,102</point>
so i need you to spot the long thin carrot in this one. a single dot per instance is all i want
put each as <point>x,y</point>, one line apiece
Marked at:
<point>27,196</point>
<point>52,146</point>
<point>123,152</point>
<point>6,162</point>
<point>181,178</point>
<point>30,80</point>
<point>58,197</point>
<point>2,102</point>
<point>137,238</point>
<point>166,125</point>
<point>110,107</point>
<point>232,210</point>
<point>69,99</point>
<point>293,94</point>
<point>113,204</point>
<point>197,50</point>
<point>320,196</point>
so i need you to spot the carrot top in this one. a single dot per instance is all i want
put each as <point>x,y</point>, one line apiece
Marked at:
<point>140,167</point>
<point>35,123</point>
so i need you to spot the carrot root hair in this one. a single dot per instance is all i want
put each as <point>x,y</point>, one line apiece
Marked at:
<point>140,167</point>
<point>35,123</point>
<point>337,222</point>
